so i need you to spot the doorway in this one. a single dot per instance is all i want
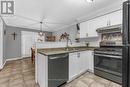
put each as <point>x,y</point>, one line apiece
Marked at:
<point>28,40</point>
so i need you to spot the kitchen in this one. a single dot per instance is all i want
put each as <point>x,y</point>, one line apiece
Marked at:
<point>86,48</point>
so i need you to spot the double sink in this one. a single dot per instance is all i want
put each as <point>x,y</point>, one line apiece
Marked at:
<point>71,49</point>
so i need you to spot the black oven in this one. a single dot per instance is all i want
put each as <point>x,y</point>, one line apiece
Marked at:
<point>108,64</point>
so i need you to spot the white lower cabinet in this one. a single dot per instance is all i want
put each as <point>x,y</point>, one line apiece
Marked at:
<point>73,65</point>
<point>90,59</point>
<point>83,61</point>
<point>79,62</point>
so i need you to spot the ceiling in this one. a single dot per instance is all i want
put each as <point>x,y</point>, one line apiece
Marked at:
<point>54,13</point>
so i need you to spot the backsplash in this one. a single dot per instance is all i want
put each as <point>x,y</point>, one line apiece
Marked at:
<point>72,31</point>
<point>93,41</point>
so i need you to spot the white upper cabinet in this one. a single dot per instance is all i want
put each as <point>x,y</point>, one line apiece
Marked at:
<point>115,18</point>
<point>94,24</point>
<point>88,28</point>
<point>83,29</point>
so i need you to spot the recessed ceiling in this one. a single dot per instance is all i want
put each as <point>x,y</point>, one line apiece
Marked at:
<point>53,13</point>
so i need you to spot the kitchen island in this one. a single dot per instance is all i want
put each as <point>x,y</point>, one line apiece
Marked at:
<point>68,64</point>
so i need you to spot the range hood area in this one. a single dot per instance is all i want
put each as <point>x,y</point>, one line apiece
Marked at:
<point>110,29</point>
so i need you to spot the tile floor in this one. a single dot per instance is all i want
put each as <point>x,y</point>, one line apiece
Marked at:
<point>90,80</point>
<point>20,73</point>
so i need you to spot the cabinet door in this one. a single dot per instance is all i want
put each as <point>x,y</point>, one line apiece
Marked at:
<point>83,29</point>
<point>115,18</point>
<point>94,24</point>
<point>100,22</point>
<point>73,65</point>
<point>90,58</point>
<point>83,65</point>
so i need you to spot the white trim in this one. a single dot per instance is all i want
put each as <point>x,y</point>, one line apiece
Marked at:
<point>3,65</point>
<point>1,43</point>
<point>91,71</point>
<point>26,55</point>
<point>76,76</point>
<point>11,59</point>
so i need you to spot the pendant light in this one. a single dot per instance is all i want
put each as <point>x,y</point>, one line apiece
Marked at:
<point>41,33</point>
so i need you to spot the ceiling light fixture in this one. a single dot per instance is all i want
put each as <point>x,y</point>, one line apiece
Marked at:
<point>41,33</point>
<point>89,0</point>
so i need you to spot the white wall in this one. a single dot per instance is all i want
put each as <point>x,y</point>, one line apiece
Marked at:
<point>28,40</point>
<point>1,43</point>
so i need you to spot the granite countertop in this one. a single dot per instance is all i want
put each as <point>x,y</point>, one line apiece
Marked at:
<point>52,51</point>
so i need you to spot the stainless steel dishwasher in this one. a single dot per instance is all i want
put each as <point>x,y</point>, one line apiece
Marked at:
<point>58,69</point>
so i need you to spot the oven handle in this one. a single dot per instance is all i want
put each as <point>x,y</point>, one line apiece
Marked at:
<point>118,57</point>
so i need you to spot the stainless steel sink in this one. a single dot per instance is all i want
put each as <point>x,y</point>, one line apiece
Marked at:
<point>71,49</point>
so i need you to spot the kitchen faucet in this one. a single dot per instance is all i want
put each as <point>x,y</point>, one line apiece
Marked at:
<point>66,36</point>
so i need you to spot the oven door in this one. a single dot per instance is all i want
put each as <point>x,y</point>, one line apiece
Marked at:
<point>108,63</point>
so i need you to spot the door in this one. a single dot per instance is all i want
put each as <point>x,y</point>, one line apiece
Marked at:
<point>73,65</point>
<point>111,64</point>
<point>83,63</point>
<point>115,18</point>
<point>83,29</point>
<point>126,32</point>
<point>92,26</point>
<point>90,58</point>
<point>28,40</point>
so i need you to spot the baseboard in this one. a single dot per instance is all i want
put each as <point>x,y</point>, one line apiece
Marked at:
<point>76,76</point>
<point>91,71</point>
<point>12,59</point>
<point>3,65</point>
<point>25,55</point>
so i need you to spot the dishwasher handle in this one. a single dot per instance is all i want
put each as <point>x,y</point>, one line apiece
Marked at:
<point>58,57</point>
